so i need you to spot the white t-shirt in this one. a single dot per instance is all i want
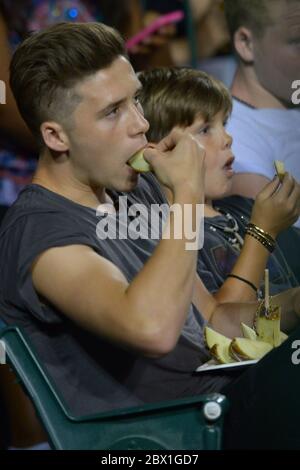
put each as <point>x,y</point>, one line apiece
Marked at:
<point>261,136</point>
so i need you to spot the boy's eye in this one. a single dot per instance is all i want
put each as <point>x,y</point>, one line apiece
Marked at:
<point>137,99</point>
<point>113,111</point>
<point>205,129</point>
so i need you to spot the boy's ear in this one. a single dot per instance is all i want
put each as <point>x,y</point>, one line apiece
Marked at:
<point>54,136</point>
<point>243,43</point>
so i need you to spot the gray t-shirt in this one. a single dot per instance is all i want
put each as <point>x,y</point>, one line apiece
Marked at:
<point>91,373</point>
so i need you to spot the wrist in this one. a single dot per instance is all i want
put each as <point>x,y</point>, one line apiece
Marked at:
<point>186,193</point>
<point>262,225</point>
<point>261,236</point>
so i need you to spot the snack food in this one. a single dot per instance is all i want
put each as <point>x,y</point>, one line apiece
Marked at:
<point>279,167</point>
<point>268,326</point>
<point>249,349</point>
<point>253,346</point>
<point>138,163</point>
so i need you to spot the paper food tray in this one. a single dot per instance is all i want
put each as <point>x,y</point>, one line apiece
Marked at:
<point>212,365</point>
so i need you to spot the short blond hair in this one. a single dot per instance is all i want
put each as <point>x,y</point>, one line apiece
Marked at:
<point>254,14</point>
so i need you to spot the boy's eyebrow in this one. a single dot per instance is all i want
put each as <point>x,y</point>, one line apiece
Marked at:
<point>117,103</point>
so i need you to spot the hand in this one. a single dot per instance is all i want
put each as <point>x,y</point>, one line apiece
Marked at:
<point>178,162</point>
<point>277,206</point>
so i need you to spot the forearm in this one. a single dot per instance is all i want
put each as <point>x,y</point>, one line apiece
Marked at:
<point>250,265</point>
<point>163,288</point>
<point>227,317</point>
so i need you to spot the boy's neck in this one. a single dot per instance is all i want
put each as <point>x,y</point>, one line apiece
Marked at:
<point>59,179</point>
<point>209,210</point>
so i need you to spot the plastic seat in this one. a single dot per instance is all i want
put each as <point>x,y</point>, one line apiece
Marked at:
<point>193,423</point>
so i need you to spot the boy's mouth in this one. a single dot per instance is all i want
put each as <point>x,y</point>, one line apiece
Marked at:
<point>229,162</point>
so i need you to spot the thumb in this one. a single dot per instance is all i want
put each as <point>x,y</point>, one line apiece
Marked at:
<point>150,154</point>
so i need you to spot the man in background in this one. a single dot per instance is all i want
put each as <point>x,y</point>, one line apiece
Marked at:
<point>265,123</point>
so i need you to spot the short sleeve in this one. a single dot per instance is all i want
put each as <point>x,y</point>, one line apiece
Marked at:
<point>24,241</point>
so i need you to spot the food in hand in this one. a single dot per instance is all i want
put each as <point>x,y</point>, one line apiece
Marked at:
<point>138,163</point>
<point>279,166</point>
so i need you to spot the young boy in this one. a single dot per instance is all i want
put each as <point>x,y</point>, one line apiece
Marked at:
<point>199,104</point>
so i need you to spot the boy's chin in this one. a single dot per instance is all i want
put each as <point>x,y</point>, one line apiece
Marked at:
<point>221,195</point>
<point>129,186</point>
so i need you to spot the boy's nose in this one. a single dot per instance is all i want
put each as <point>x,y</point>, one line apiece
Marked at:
<point>139,125</point>
<point>228,140</point>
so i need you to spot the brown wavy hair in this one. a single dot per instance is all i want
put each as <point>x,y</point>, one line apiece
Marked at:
<point>48,64</point>
<point>176,96</point>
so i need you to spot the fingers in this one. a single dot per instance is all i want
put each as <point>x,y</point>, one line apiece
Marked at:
<point>150,155</point>
<point>294,199</point>
<point>171,140</point>
<point>287,186</point>
<point>270,188</point>
<point>277,189</point>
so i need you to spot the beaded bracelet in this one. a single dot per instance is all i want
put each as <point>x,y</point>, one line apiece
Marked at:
<point>263,237</point>
<point>261,232</point>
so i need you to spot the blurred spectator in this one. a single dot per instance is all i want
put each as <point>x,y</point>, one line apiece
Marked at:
<point>208,23</point>
<point>265,124</point>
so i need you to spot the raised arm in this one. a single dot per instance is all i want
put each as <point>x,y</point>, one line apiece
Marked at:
<point>276,208</point>
<point>148,314</point>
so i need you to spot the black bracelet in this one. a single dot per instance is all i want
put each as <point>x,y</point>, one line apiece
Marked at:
<point>244,280</point>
